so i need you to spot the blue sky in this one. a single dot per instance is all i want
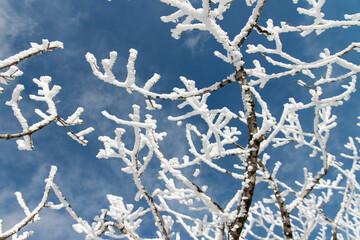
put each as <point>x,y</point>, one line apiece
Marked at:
<point>99,26</point>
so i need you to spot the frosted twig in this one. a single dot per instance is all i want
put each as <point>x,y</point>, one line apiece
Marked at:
<point>34,50</point>
<point>131,84</point>
<point>251,23</point>
<point>39,126</point>
<point>47,95</point>
<point>285,214</point>
<point>10,62</point>
<point>31,215</point>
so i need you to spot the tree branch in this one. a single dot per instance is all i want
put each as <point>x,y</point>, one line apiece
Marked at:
<point>249,182</point>
<point>34,50</point>
<point>124,231</point>
<point>40,206</point>
<point>251,23</point>
<point>216,86</point>
<point>285,215</point>
<point>64,124</point>
<point>29,132</point>
<point>155,212</point>
<point>323,171</point>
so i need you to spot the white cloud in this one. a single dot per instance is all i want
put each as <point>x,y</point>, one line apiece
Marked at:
<point>196,41</point>
<point>12,25</point>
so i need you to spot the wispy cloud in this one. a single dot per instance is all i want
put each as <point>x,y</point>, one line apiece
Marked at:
<point>12,25</point>
<point>196,41</point>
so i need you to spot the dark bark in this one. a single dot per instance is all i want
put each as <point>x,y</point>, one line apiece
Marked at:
<point>237,225</point>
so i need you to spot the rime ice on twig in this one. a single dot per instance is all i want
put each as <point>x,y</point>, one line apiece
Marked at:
<point>145,136</point>
<point>130,84</point>
<point>33,216</point>
<point>10,62</point>
<point>47,95</point>
<point>30,216</point>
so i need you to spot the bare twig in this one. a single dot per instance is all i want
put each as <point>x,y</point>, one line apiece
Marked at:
<point>304,85</point>
<point>321,173</point>
<point>262,30</point>
<point>62,122</point>
<point>124,231</point>
<point>29,132</point>
<point>216,86</point>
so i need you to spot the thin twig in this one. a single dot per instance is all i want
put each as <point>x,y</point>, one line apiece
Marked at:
<point>262,30</point>
<point>28,132</point>
<point>62,122</point>
<point>36,211</point>
<point>252,22</point>
<point>285,215</point>
<point>216,86</point>
<point>321,173</point>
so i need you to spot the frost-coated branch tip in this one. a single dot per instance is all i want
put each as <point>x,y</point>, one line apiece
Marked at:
<point>47,95</point>
<point>21,56</point>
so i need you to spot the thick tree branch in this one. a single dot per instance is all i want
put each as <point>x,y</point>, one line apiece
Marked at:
<point>249,182</point>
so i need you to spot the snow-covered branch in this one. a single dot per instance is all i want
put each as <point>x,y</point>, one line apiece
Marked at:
<point>130,82</point>
<point>10,62</point>
<point>45,94</point>
<point>33,215</point>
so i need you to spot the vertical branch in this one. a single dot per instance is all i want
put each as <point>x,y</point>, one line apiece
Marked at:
<point>136,174</point>
<point>134,164</point>
<point>348,191</point>
<point>252,159</point>
<point>249,182</point>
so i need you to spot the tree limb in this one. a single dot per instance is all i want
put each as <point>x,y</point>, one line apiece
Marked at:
<point>249,182</point>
